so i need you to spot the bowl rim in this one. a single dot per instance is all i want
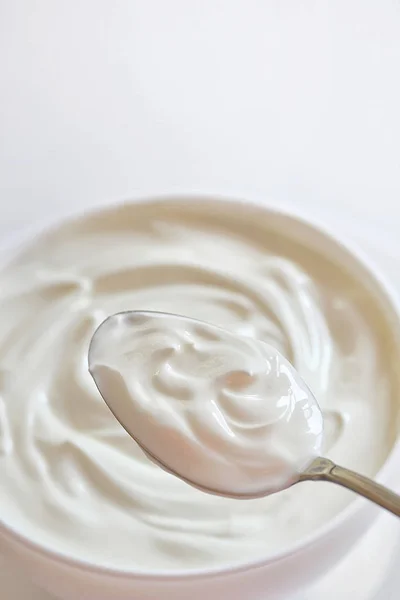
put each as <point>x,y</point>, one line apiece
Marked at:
<point>20,239</point>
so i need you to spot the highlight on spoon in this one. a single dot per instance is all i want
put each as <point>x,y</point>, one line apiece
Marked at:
<point>226,413</point>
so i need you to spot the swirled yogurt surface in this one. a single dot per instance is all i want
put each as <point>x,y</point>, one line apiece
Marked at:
<point>225,412</point>
<point>73,480</point>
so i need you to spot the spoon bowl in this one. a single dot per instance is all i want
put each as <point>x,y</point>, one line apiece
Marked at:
<point>123,341</point>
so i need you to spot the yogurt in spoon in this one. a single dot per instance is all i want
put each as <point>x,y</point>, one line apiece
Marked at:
<point>225,413</point>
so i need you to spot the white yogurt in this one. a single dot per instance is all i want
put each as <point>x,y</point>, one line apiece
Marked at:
<point>224,412</point>
<point>73,480</point>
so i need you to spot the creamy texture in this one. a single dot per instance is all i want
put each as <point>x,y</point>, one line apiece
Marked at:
<point>225,412</point>
<point>72,478</point>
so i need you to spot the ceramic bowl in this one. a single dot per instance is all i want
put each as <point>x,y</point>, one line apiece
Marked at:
<point>272,577</point>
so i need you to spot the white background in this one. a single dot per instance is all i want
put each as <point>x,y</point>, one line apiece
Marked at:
<point>294,100</point>
<point>298,101</point>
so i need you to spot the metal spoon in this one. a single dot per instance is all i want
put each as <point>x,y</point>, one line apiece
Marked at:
<point>320,469</point>
<point>323,469</point>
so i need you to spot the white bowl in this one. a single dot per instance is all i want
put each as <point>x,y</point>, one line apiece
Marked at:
<point>274,577</point>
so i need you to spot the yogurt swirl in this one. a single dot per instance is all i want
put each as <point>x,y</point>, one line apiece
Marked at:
<point>223,412</point>
<point>73,480</point>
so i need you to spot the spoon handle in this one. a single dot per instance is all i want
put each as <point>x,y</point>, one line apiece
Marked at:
<point>323,469</point>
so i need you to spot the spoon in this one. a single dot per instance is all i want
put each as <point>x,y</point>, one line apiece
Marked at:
<point>228,415</point>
